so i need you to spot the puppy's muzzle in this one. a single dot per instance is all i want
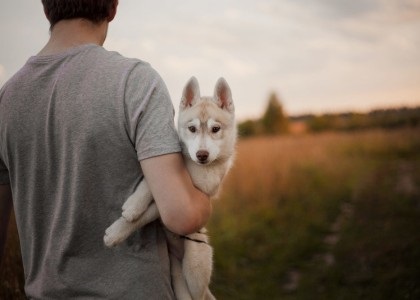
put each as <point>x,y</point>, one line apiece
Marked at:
<point>202,156</point>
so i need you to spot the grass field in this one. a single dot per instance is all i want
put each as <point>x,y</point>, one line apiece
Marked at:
<point>325,216</point>
<point>329,216</point>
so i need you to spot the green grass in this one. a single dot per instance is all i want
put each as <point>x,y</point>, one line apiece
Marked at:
<point>378,256</point>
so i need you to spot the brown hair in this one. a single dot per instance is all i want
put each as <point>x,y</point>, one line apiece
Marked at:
<point>93,10</point>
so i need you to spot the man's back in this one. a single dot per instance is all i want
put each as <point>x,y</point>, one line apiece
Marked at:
<point>73,128</point>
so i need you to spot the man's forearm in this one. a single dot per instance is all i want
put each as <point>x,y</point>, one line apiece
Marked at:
<point>183,208</point>
<point>5,210</point>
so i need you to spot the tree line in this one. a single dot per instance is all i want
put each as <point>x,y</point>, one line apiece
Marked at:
<point>275,121</point>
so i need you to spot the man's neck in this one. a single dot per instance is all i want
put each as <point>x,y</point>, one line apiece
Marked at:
<point>67,34</point>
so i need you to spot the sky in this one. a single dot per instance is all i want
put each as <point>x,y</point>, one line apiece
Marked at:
<point>317,56</point>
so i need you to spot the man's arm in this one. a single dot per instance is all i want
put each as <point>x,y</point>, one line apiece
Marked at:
<point>5,209</point>
<point>183,208</point>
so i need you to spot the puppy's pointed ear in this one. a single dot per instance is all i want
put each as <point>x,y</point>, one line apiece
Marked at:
<point>223,95</point>
<point>191,94</point>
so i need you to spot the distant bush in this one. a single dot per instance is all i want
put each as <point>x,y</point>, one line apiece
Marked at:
<point>249,128</point>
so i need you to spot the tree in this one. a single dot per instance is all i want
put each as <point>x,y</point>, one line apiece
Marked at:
<point>274,120</point>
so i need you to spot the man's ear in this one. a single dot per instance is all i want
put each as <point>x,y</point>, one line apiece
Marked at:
<point>112,11</point>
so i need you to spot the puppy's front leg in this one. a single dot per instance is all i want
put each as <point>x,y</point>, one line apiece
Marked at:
<point>138,202</point>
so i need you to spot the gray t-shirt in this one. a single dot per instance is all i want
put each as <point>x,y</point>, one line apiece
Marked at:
<point>73,127</point>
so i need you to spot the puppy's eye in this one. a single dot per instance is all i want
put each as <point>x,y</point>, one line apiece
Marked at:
<point>192,129</point>
<point>215,129</point>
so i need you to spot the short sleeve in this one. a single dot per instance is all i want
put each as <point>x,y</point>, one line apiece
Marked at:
<point>4,173</point>
<point>150,114</point>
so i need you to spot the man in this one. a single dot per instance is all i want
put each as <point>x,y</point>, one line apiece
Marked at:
<point>75,122</point>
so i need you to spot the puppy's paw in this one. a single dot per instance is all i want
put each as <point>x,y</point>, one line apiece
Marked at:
<point>117,232</point>
<point>133,208</point>
<point>131,214</point>
<point>110,240</point>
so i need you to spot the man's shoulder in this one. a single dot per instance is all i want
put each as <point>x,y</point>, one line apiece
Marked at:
<point>136,67</point>
<point>116,57</point>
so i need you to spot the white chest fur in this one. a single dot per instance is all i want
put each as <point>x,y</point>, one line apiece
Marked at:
<point>207,178</point>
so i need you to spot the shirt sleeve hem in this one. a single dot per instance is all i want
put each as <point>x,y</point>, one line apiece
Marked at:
<point>158,152</point>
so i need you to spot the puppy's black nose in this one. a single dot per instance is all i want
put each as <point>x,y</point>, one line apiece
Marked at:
<point>202,155</point>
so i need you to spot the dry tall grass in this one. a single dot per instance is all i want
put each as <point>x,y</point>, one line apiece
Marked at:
<point>264,167</point>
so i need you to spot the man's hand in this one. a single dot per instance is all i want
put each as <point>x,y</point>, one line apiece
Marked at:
<point>5,209</point>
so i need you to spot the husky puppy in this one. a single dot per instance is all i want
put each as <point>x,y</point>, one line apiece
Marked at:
<point>207,131</point>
